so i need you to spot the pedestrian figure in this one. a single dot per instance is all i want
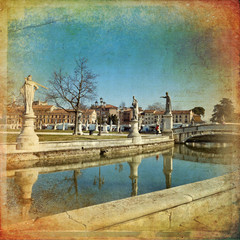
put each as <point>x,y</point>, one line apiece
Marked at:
<point>157,129</point>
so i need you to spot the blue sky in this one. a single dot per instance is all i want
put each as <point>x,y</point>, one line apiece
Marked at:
<point>139,50</point>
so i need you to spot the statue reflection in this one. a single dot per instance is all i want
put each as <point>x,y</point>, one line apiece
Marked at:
<point>75,175</point>
<point>167,167</point>
<point>134,164</point>
<point>119,167</point>
<point>25,180</point>
<point>99,179</point>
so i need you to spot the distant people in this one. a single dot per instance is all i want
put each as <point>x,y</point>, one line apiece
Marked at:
<point>157,129</point>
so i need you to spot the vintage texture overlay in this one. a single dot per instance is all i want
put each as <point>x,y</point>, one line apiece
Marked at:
<point>189,47</point>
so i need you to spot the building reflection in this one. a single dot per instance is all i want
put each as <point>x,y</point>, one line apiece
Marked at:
<point>134,164</point>
<point>168,167</point>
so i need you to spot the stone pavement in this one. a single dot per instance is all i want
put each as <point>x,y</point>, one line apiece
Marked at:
<point>220,223</point>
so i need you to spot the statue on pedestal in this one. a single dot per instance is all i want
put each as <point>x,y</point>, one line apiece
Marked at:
<point>28,89</point>
<point>134,133</point>
<point>135,109</point>
<point>28,139</point>
<point>167,118</point>
<point>168,109</point>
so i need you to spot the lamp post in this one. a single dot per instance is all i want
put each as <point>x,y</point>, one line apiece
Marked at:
<point>102,105</point>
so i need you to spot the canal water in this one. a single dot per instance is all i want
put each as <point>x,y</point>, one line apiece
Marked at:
<point>56,192</point>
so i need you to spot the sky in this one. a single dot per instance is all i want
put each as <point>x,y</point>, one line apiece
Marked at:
<point>141,49</point>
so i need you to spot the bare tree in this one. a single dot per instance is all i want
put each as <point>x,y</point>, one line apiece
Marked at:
<point>156,106</point>
<point>122,104</point>
<point>72,90</point>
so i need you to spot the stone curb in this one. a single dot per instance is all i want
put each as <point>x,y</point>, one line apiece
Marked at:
<point>105,215</point>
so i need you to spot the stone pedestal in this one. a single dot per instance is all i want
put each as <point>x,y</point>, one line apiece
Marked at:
<point>105,128</point>
<point>167,125</point>
<point>134,134</point>
<point>80,132</point>
<point>28,139</point>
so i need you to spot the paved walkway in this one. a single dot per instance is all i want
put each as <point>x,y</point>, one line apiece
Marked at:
<point>221,223</point>
<point>84,134</point>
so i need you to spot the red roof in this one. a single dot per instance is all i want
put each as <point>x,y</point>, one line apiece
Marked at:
<point>42,107</point>
<point>181,111</point>
<point>15,109</point>
<point>88,110</point>
<point>159,113</point>
<point>107,106</point>
<point>58,111</point>
<point>149,111</point>
<point>111,106</point>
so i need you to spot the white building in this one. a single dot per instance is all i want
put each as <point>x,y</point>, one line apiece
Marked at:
<point>179,116</point>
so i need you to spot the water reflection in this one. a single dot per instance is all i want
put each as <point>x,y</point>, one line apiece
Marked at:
<point>35,194</point>
<point>134,164</point>
<point>168,166</point>
<point>76,173</point>
<point>99,179</point>
<point>217,153</point>
<point>25,180</point>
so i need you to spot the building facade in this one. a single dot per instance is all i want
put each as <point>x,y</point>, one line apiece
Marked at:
<point>179,116</point>
<point>47,115</point>
<point>108,110</point>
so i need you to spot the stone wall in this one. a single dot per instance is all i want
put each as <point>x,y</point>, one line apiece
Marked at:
<point>60,153</point>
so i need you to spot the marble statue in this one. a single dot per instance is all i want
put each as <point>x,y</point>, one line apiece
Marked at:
<point>168,109</point>
<point>28,89</point>
<point>135,108</point>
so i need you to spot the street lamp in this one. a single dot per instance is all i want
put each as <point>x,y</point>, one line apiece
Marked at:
<point>102,105</point>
